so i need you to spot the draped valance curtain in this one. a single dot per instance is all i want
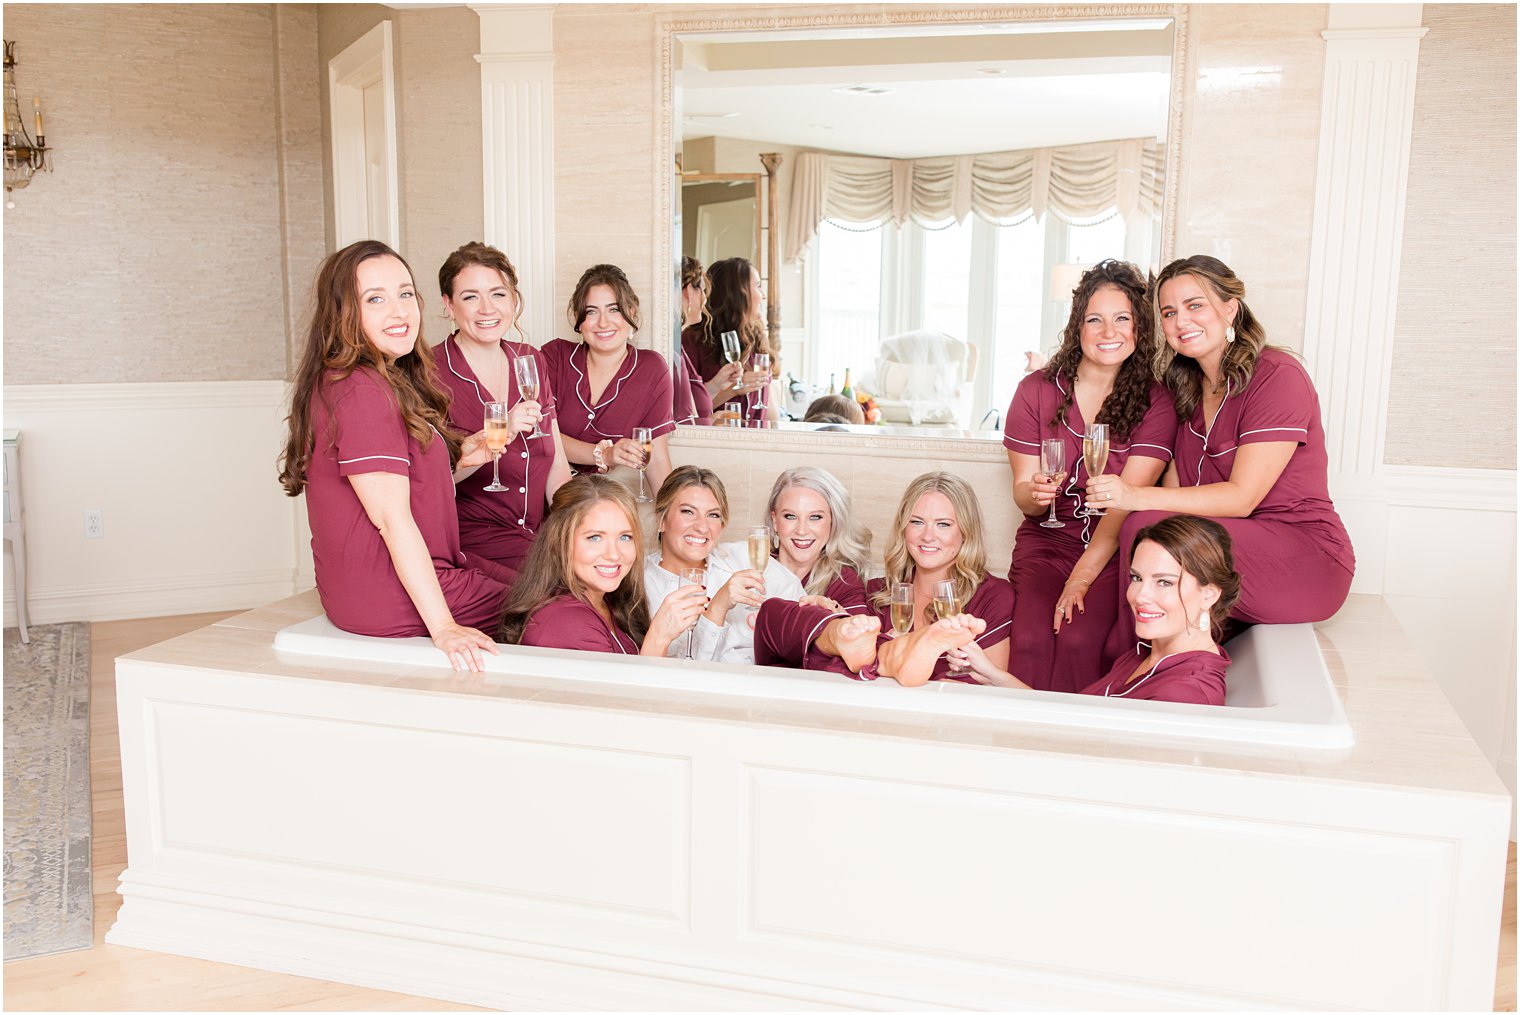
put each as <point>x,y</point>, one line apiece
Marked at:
<point>1074,181</point>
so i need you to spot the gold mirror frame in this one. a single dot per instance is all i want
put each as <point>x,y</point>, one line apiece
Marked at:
<point>667,144</point>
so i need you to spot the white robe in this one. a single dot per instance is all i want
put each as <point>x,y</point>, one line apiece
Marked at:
<point>734,640</point>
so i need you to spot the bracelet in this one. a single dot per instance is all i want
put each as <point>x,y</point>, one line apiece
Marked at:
<point>1084,581</point>
<point>597,453</point>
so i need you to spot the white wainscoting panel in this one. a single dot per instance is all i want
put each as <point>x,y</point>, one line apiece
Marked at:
<point>185,474</point>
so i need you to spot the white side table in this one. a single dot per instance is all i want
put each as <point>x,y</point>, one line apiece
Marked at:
<point>15,523</point>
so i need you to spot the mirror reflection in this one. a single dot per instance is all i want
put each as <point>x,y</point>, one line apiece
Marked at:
<point>940,190</point>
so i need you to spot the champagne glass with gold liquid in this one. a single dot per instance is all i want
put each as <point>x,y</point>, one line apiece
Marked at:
<point>1095,455</point>
<point>759,547</point>
<point>902,608</point>
<point>945,604</point>
<point>690,576</point>
<point>1053,464</point>
<point>526,368</point>
<point>762,364</point>
<point>731,346</point>
<point>498,435</point>
<point>642,437</point>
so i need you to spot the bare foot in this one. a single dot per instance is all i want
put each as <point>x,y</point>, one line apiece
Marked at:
<point>910,659</point>
<point>852,639</point>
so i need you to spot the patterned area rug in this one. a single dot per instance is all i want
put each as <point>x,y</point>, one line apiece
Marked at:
<point>49,902</point>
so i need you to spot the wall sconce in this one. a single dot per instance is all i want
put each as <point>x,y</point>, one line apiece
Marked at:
<point>25,153</point>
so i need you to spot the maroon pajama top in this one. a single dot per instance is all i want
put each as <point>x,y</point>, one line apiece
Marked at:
<point>784,631</point>
<point>1293,554</point>
<point>693,402</point>
<point>640,395</point>
<point>499,526</point>
<point>1043,558</point>
<point>704,362</point>
<point>1196,677</point>
<point>359,429</point>
<point>567,622</point>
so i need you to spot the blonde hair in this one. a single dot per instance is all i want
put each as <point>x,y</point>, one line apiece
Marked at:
<point>849,542</point>
<point>970,564</point>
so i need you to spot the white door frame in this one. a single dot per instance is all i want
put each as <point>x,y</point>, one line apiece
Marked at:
<point>368,60</point>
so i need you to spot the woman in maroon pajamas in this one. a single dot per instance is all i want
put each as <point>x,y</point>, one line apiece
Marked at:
<point>818,538</point>
<point>936,536</point>
<point>735,302</point>
<point>1068,578</point>
<point>605,388</point>
<point>582,585</point>
<point>1182,585</point>
<point>1250,453</point>
<point>477,365</point>
<point>369,446</point>
<point>693,400</point>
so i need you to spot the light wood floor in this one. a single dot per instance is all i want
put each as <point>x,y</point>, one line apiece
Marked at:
<point>111,978</point>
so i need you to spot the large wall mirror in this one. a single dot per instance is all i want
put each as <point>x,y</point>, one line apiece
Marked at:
<point>945,175</point>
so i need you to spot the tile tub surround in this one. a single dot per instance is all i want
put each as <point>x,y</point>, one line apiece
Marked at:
<point>452,836</point>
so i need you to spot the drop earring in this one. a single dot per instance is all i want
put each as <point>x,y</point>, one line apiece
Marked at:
<point>1229,333</point>
<point>1203,621</point>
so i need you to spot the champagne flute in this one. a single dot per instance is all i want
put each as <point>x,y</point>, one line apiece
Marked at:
<point>1053,464</point>
<point>760,547</point>
<point>690,576</point>
<point>1095,455</point>
<point>731,346</point>
<point>761,361</point>
<point>526,369</point>
<point>498,434</point>
<point>902,608</point>
<point>945,605</point>
<point>642,437</point>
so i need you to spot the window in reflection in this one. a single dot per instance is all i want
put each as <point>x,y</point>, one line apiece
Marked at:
<point>847,298</point>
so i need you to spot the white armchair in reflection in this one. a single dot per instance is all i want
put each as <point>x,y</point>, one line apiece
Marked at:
<point>924,378</point>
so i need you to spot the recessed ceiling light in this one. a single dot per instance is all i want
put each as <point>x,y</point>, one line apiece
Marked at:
<point>863,90</point>
<point>991,70</point>
<point>821,126</point>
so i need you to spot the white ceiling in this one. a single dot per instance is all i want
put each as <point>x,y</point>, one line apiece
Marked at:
<point>955,91</point>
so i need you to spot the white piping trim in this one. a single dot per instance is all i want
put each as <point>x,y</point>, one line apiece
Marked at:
<point>1273,429</point>
<point>366,458</point>
<point>1108,691</point>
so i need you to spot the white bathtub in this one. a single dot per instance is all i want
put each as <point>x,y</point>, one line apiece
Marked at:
<point>1278,690</point>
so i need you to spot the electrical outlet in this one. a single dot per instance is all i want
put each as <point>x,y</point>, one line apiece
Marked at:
<point>94,524</point>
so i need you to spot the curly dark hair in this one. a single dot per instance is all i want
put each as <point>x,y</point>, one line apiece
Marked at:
<point>1125,406</point>
<point>729,309</point>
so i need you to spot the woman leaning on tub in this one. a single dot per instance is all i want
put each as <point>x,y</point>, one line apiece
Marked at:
<point>1182,585</point>
<point>691,511</point>
<point>1250,453</point>
<point>582,586</point>
<point>370,446</point>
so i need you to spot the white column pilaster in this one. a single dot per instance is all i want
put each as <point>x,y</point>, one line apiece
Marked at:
<point>1367,116</point>
<point>517,149</point>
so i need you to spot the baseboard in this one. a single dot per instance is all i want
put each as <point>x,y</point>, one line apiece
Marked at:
<point>161,597</point>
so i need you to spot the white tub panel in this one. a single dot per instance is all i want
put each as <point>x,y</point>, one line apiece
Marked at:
<point>563,823</point>
<point>1086,888</point>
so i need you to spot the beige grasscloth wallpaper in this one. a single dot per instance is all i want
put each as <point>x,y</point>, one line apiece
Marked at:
<point>156,250</point>
<point>1454,348</point>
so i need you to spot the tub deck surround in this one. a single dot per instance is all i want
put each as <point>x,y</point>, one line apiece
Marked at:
<point>548,843</point>
<point>1279,689</point>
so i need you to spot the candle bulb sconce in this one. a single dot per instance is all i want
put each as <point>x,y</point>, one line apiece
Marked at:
<point>26,152</point>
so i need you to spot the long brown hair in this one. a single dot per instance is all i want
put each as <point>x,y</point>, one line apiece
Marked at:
<point>548,573</point>
<point>336,347</point>
<point>1125,405</point>
<point>1201,547</point>
<point>970,565</point>
<point>614,278</point>
<point>1183,375</point>
<point>728,291</point>
<point>486,256</point>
